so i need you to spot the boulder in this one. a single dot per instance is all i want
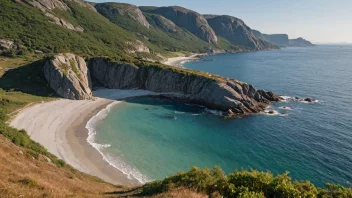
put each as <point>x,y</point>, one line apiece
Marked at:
<point>68,76</point>
<point>6,44</point>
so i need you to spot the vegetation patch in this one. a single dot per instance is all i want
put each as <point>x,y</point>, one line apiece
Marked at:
<point>28,182</point>
<point>243,184</point>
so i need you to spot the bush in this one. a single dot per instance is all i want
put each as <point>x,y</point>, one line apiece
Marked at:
<point>28,182</point>
<point>242,184</point>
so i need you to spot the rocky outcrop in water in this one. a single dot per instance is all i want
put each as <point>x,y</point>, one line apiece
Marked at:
<point>190,20</point>
<point>184,85</point>
<point>277,39</point>
<point>122,9</point>
<point>236,31</point>
<point>68,76</point>
<point>282,40</point>
<point>300,42</point>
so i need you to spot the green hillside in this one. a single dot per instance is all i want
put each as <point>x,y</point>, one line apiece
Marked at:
<point>29,27</point>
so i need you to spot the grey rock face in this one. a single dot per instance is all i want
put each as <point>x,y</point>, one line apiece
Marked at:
<point>164,23</point>
<point>190,20</point>
<point>6,44</point>
<point>69,76</point>
<point>123,9</point>
<point>63,23</point>
<point>236,31</point>
<point>225,94</point>
<point>137,46</point>
<point>277,39</point>
<point>45,5</point>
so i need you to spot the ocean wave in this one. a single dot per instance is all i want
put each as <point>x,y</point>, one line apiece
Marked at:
<point>179,112</point>
<point>131,172</point>
<point>214,112</point>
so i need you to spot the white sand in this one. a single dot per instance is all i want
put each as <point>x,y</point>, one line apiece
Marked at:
<point>177,61</point>
<point>50,124</point>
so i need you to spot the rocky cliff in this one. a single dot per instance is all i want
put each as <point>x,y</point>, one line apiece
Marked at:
<point>68,76</point>
<point>120,10</point>
<point>190,20</point>
<point>236,31</point>
<point>282,40</point>
<point>214,92</point>
<point>277,39</point>
<point>47,6</point>
<point>163,23</point>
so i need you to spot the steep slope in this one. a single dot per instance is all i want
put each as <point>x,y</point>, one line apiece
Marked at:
<point>277,39</point>
<point>160,31</point>
<point>236,31</point>
<point>187,19</point>
<point>69,76</point>
<point>25,24</point>
<point>120,10</point>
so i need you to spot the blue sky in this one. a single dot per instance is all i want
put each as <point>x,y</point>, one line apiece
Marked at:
<point>316,20</point>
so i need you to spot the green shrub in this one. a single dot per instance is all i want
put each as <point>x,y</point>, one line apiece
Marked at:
<point>243,184</point>
<point>28,182</point>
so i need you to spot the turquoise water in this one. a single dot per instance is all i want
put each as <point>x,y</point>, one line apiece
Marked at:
<point>312,141</point>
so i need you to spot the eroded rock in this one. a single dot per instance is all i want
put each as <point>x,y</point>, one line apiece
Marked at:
<point>69,76</point>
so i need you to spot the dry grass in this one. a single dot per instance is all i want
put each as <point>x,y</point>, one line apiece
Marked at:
<point>24,176</point>
<point>181,193</point>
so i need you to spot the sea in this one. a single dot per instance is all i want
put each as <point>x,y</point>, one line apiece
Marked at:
<point>149,139</point>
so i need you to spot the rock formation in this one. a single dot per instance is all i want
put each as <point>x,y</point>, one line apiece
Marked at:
<point>280,40</point>
<point>198,88</point>
<point>236,31</point>
<point>7,44</point>
<point>300,42</point>
<point>62,22</point>
<point>47,6</point>
<point>122,9</point>
<point>69,76</point>
<point>137,46</point>
<point>164,23</point>
<point>190,20</point>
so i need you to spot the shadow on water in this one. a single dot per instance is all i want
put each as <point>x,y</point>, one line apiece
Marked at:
<point>156,102</point>
<point>27,79</point>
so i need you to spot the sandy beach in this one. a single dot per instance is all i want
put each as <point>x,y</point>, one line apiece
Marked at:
<point>60,126</point>
<point>177,61</point>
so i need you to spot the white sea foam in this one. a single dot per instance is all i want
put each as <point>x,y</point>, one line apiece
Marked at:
<point>306,102</point>
<point>116,162</point>
<point>179,112</point>
<point>214,112</point>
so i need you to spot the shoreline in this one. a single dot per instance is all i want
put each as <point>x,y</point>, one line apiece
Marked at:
<point>178,61</point>
<point>61,127</point>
